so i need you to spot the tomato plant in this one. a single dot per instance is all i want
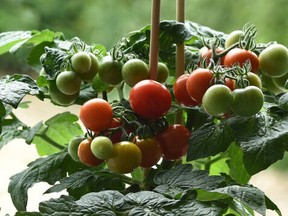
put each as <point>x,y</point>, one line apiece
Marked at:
<point>187,142</point>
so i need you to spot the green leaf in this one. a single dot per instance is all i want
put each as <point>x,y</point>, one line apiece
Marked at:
<point>86,93</point>
<point>104,203</point>
<point>237,169</point>
<point>77,184</point>
<point>248,195</point>
<point>209,140</point>
<point>14,88</point>
<point>181,178</point>
<point>10,39</point>
<point>262,138</point>
<point>49,169</point>
<point>56,133</point>
<point>28,214</point>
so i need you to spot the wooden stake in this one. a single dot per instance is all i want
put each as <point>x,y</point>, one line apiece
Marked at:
<point>154,39</point>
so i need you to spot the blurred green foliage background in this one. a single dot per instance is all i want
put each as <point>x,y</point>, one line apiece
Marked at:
<point>106,21</point>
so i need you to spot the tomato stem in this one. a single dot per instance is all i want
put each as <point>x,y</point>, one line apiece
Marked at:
<point>154,39</point>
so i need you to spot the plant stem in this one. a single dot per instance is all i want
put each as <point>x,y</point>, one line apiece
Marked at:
<point>154,39</point>
<point>180,53</point>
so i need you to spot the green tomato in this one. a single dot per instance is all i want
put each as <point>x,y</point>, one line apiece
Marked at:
<point>58,98</point>
<point>73,147</point>
<point>163,72</point>
<point>134,71</point>
<point>68,82</point>
<point>110,71</point>
<point>81,62</point>
<point>254,79</point>
<point>274,60</point>
<point>217,100</point>
<point>102,147</point>
<point>93,70</point>
<point>233,38</point>
<point>247,101</point>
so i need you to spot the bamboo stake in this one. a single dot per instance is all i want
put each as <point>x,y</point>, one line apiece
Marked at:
<point>180,52</point>
<point>154,39</point>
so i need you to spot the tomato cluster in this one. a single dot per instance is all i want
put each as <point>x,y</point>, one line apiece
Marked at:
<point>130,134</point>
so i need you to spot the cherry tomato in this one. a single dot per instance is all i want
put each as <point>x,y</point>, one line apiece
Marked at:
<point>126,156</point>
<point>254,79</point>
<point>162,73</point>
<point>151,152</point>
<point>73,147</point>
<point>150,99</point>
<point>110,71</point>
<point>233,38</point>
<point>239,57</point>
<point>217,100</point>
<point>180,91</point>
<point>247,101</point>
<point>230,83</point>
<point>198,82</point>
<point>274,60</point>
<point>96,114</point>
<point>173,141</point>
<point>81,62</point>
<point>206,54</point>
<point>101,147</point>
<point>93,70</point>
<point>134,70</point>
<point>68,82</point>
<point>85,154</point>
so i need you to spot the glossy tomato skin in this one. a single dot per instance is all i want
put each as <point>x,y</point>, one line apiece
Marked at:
<point>233,38</point>
<point>247,101</point>
<point>134,71</point>
<point>198,83</point>
<point>110,71</point>
<point>150,99</point>
<point>217,100</point>
<point>96,114</point>
<point>126,156</point>
<point>173,141</point>
<point>85,154</point>
<point>180,91</point>
<point>274,60</point>
<point>151,151</point>
<point>241,56</point>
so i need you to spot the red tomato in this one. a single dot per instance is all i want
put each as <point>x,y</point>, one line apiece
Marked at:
<point>206,53</point>
<point>174,141</point>
<point>150,99</point>
<point>198,82</point>
<point>96,114</point>
<point>241,56</point>
<point>85,154</point>
<point>230,83</point>
<point>180,91</point>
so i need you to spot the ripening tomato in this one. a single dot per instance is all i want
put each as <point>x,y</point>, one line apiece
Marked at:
<point>68,82</point>
<point>126,156</point>
<point>150,99</point>
<point>151,151</point>
<point>238,56</point>
<point>96,114</point>
<point>198,82</point>
<point>134,70</point>
<point>180,91</point>
<point>85,154</point>
<point>217,100</point>
<point>206,54</point>
<point>233,38</point>
<point>173,141</point>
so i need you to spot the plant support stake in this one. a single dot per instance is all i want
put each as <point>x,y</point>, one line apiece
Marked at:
<point>154,39</point>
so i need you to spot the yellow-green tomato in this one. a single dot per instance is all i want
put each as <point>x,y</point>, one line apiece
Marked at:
<point>68,82</point>
<point>134,71</point>
<point>233,38</point>
<point>73,147</point>
<point>162,73</point>
<point>81,62</point>
<point>101,147</point>
<point>254,79</point>
<point>247,101</point>
<point>274,60</point>
<point>110,71</point>
<point>217,100</point>
<point>57,97</point>
<point>126,156</point>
